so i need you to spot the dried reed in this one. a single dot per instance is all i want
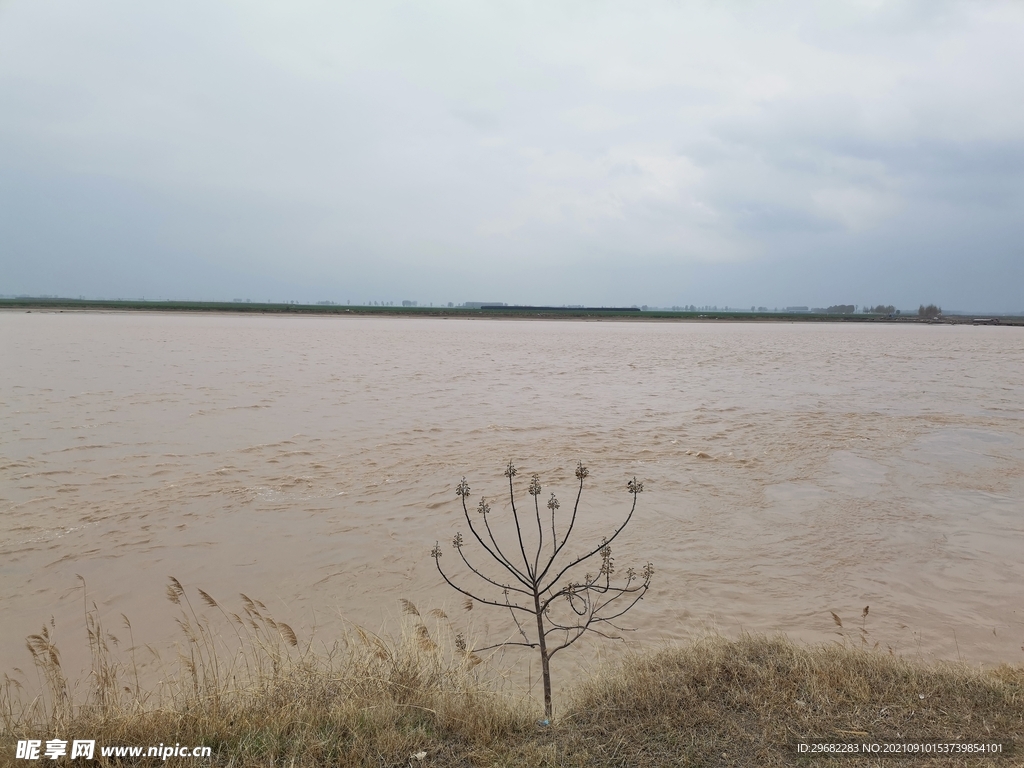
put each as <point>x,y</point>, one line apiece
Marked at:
<point>249,687</point>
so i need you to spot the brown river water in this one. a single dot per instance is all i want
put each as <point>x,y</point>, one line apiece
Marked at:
<point>790,470</point>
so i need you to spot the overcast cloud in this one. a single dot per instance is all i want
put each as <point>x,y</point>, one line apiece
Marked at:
<point>658,153</point>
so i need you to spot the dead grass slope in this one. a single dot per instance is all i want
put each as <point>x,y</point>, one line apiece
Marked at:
<point>260,698</point>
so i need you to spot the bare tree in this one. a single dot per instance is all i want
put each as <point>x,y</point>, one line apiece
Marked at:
<point>538,582</point>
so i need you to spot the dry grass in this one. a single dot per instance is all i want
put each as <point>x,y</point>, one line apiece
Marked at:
<point>258,696</point>
<point>245,685</point>
<point>717,702</point>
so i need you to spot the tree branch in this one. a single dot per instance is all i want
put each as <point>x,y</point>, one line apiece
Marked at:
<point>581,474</point>
<point>457,588</point>
<point>597,549</point>
<point>487,578</point>
<point>510,473</point>
<point>496,553</point>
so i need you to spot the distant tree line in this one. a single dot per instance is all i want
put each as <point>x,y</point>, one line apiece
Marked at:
<point>880,309</point>
<point>930,312</point>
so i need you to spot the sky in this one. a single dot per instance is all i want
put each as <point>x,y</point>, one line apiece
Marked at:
<point>598,153</point>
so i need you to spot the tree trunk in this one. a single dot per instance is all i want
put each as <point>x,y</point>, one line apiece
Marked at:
<point>545,662</point>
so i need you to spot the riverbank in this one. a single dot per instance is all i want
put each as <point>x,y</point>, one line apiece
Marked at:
<point>505,312</point>
<point>418,700</point>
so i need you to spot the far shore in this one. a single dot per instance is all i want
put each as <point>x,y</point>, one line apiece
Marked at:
<point>498,313</point>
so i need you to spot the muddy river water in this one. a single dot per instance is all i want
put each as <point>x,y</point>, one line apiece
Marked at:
<point>790,470</point>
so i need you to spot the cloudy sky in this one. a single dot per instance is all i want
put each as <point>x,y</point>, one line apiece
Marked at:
<point>662,153</point>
